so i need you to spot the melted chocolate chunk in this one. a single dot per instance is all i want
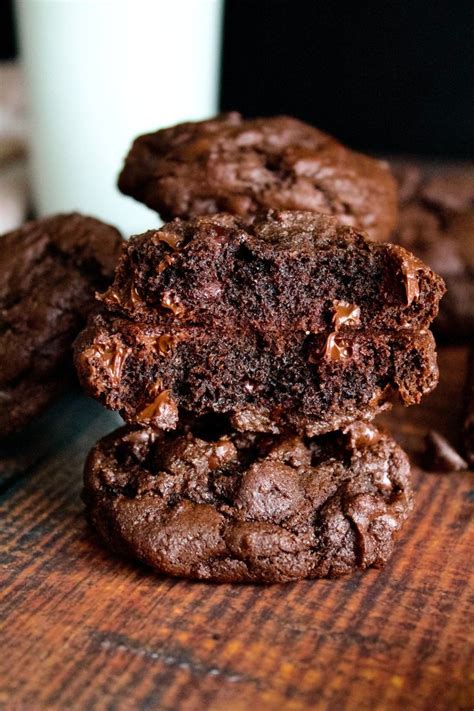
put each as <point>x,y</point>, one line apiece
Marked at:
<point>161,413</point>
<point>167,261</point>
<point>411,266</point>
<point>345,314</point>
<point>170,301</point>
<point>167,343</point>
<point>126,296</point>
<point>336,349</point>
<point>362,434</point>
<point>172,239</point>
<point>112,359</point>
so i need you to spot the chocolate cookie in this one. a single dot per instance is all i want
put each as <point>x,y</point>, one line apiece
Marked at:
<point>294,322</point>
<point>286,271</point>
<point>229,164</point>
<point>49,272</point>
<point>437,223</point>
<point>309,383</point>
<point>249,508</point>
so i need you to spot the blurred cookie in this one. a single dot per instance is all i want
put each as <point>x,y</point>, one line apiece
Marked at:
<point>436,223</point>
<point>49,272</point>
<point>229,164</point>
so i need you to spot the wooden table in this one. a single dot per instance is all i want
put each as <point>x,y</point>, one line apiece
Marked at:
<point>81,629</point>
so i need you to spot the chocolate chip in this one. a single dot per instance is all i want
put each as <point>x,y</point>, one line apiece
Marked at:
<point>440,456</point>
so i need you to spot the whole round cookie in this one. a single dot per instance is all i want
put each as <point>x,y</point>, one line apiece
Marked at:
<point>229,164</point>
<point>249,508</point>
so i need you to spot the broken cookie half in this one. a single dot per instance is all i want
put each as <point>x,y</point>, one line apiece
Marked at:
<point>294,323</point>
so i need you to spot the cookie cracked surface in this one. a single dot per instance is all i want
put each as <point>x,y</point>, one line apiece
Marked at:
<point>229,164</point>
<point>249,508</point>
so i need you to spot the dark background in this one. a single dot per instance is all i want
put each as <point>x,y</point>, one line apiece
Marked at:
<point>381,76</point>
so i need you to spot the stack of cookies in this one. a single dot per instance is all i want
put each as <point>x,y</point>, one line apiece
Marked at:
<point>248,344</point>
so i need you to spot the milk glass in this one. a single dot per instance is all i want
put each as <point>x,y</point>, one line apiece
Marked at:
<point>100,72</point>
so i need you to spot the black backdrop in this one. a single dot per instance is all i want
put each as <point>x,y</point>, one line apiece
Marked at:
<point>383,76</point>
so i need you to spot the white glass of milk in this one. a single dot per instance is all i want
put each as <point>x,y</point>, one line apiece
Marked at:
<point>100,72</point>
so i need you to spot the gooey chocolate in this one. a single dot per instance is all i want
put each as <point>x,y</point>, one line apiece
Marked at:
<point>162,412</point>
<point>112,357</point>
<point>345,315</point>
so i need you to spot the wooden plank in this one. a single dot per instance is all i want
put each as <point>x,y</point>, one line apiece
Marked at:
<point>81,629</point>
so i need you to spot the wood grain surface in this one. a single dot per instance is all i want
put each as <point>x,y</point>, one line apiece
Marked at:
<point>81,629</point>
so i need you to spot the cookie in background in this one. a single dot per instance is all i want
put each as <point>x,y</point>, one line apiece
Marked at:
<point>436,222</point>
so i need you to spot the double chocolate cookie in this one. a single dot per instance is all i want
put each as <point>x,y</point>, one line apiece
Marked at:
<point>311,384</point>
<point>282,272</point>
<point>437,223</point>
<point>49,272</point>
<point>229,164</point>
<point>249,508</point>
<point>293,322</point>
